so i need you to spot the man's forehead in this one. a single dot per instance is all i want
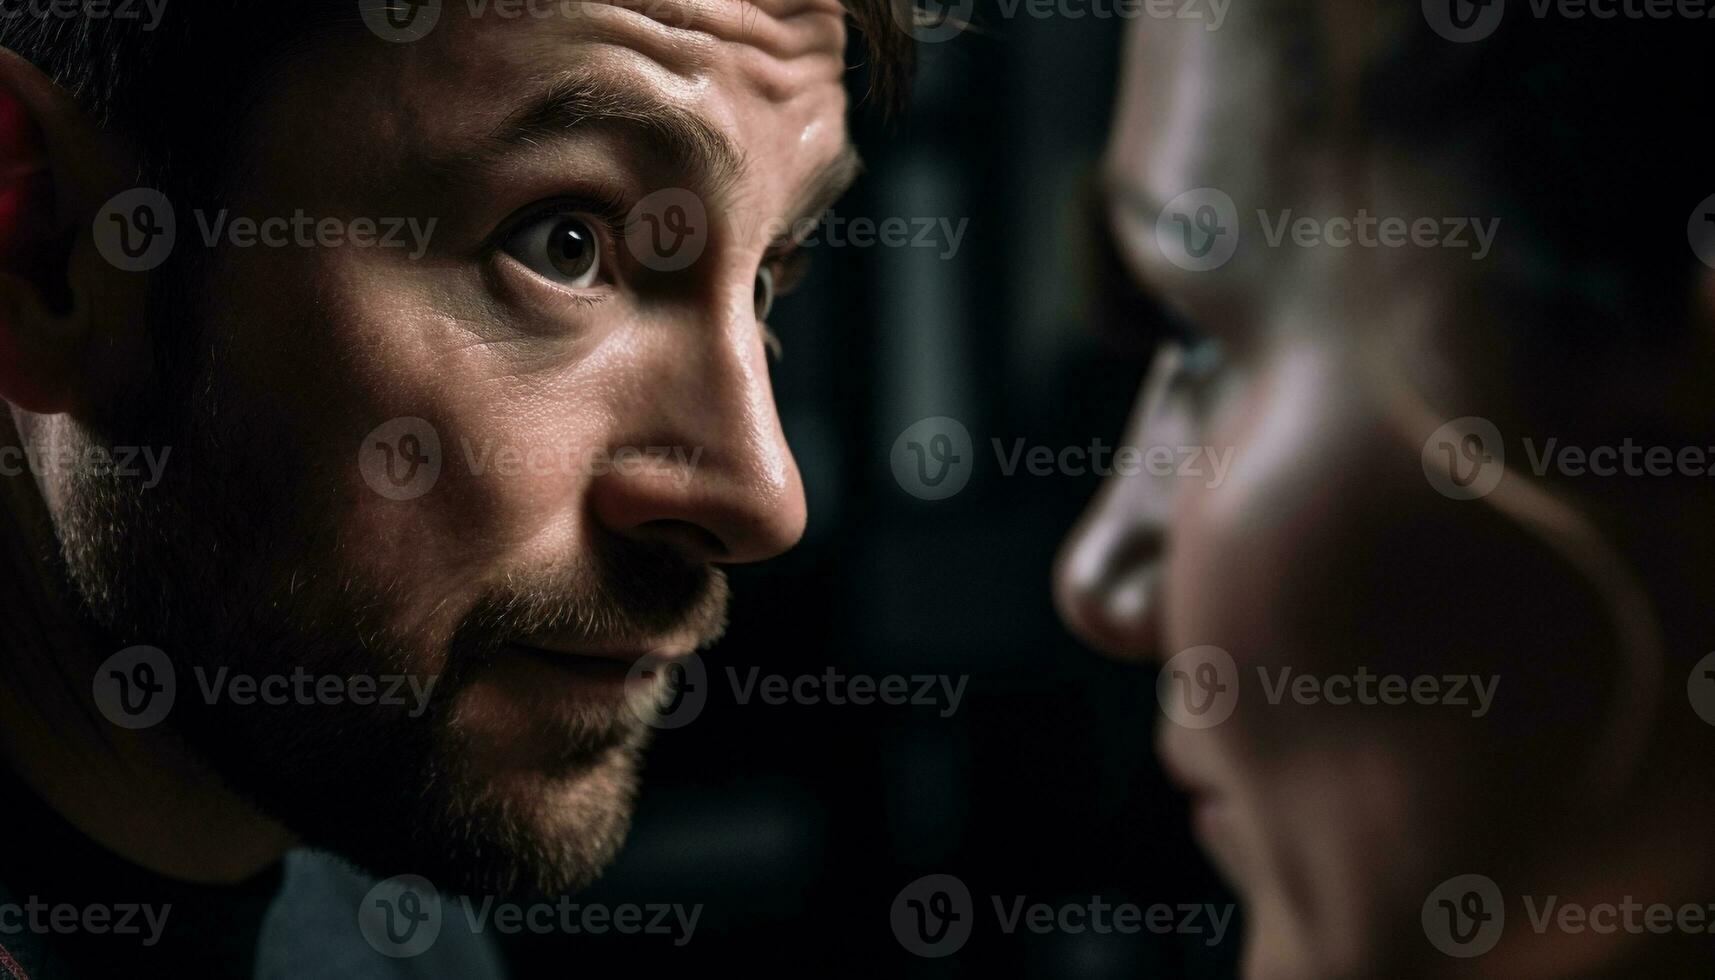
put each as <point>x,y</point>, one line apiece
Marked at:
<point>768,76</point>
<point>706,54</point>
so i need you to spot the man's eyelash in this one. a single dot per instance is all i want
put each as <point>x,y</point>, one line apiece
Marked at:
<point>607,207</point>
<point>790,265</point>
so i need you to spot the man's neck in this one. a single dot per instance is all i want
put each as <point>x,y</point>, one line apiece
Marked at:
<point>141,794</point>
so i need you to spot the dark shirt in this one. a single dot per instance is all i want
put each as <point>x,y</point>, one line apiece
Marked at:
<point>71,910</point>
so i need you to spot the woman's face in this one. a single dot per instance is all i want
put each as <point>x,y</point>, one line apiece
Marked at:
<point>1374,679</point>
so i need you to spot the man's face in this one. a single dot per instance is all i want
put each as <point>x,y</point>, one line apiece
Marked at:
<point>606,431</point>
<point>1325,551</point>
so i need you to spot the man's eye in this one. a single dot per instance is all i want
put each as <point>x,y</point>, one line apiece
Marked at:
<point>764,294</point>
<point>565,248</point>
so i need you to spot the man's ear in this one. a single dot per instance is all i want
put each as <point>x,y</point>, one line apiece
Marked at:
<point>55,169</point>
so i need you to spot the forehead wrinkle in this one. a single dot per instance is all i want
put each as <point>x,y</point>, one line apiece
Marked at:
<point>785,29</point>
<point>780,58</point>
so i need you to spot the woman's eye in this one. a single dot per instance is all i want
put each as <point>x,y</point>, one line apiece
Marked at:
<point>764,294</point>
<point>1202,359</point>
<point>565,248</point>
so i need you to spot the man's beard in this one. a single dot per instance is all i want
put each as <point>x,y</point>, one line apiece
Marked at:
<point>230,563</point>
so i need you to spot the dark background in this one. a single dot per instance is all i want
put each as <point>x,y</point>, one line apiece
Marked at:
<point>797,825</point>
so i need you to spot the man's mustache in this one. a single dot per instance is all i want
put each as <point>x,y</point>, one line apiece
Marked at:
<point>624,594</point>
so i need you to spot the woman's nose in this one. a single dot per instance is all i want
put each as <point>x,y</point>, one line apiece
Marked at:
<point>1107,580</point>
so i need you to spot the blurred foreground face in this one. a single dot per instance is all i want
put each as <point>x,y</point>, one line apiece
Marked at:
<point>1380,671</point>
<point>507,460</point>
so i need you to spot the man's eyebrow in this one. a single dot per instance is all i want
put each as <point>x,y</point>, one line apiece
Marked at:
<point>707,158</point>
<point>585,101</point>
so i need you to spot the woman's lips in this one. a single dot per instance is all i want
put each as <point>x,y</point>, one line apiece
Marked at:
<point>1176,762</point>
<point>1209,805</point>
<point>1217,821</point>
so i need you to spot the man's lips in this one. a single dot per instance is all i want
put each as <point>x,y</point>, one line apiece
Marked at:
<point>620,652</point>
<point>592,667</point>
<point>610,662</point>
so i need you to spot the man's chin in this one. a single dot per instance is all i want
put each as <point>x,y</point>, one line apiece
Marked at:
<point>535,831</point>
<point>479,795</point>
<point>519,831</point>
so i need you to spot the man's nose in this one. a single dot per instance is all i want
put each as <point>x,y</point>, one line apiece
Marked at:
<point>716,479</point>
<point>1108,580</point>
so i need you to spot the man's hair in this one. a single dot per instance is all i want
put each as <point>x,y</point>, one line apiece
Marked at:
<point>176,89</point>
